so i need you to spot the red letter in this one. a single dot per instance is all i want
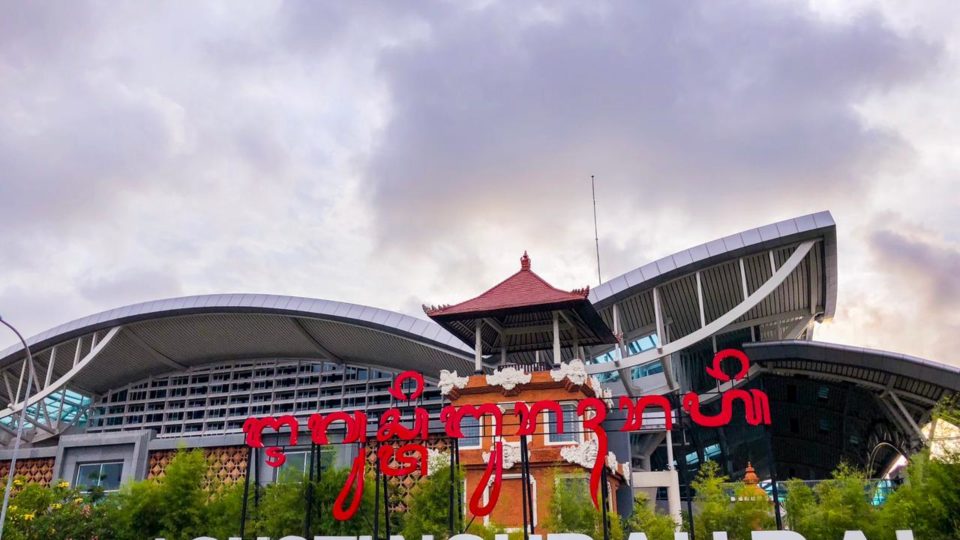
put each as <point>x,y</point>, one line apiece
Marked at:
<point>356,479</point>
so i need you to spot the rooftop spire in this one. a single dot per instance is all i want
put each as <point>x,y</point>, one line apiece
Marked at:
<point>525,261</point>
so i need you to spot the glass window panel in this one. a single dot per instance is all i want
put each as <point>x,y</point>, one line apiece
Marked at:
<point>570,425</point>
<point>471,432</point>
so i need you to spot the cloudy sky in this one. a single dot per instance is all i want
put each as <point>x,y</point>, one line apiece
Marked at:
<point>400,153</point>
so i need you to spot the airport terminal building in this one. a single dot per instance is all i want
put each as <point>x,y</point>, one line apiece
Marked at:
<point>114,394</point>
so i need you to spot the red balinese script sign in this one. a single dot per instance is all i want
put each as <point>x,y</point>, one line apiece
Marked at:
<point>411,455</point>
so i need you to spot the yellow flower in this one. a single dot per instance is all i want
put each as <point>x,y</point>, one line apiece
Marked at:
<point>78,500</point>
<point>28,517</point>
<point>63,484</point>
<point>18,482</point>
<point>13,508</point>
<point>56,506</point>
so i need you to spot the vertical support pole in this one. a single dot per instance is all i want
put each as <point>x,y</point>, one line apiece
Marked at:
<point>605,498</point>
<point>460,516</point>
<point>451,499</point>
<point>246,493</point>
<point>556,339</point>
<point>50,364</point>
<point>478,348</point>
<point>616,330</point>
<point>376,500</point>
<point>503,356</point>
<point>703,318</point>
<point>76,352</point>
<point>682,469</point>
<point>528,482</point>
<point>524,488</point>
<point>743,279</point>
<point>386,505</point>
<point>256,482</point>
<point>773,472</point>
<point>308,515</point>
<point>658,317</point>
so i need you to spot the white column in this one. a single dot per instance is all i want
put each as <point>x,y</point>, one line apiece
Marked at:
<point>478,349</point>
<point>556,339</point>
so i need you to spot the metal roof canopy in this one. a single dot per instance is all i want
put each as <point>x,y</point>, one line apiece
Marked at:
<point>776,281</point>
<point>96,353</point>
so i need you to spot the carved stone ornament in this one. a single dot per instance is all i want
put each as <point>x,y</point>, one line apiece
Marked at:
<point>508,378</point>
<point>627,473</point>
<point>612,461</point>
<point>574,371</point>
<point>583,454</point>
<point>436,460</point>
<point>449,380</point>
<point>511,455</point>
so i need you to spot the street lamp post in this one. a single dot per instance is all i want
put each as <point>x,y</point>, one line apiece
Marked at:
<point>23,417</point>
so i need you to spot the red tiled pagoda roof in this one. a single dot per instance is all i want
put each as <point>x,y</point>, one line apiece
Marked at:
<point>523,289</point>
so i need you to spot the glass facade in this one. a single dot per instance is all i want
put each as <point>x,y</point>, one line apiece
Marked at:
<point>219,398</point>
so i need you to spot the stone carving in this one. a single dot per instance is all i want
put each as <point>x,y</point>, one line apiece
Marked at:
<point>449,380</point>
<point>511,455</point>
<point>574,371</point>
<point>508,378</point>
<point>583,454</point>
<point>612,461</point>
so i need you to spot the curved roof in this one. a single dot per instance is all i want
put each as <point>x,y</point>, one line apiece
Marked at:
<point>812,226</point>
<point>136,341</point>
<point>772,282</point>
<point>915,379</point>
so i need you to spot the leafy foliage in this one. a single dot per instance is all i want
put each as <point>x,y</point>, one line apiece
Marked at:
<point>728,506</point>
<point>572,510</point>
<point>645,519</point>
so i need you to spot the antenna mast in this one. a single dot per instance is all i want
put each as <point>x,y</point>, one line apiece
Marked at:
<point>596,235</point>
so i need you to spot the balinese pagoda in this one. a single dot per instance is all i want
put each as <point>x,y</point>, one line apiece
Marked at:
<point>514,327</point>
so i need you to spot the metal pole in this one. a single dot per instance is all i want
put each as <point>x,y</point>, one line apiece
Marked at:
<point>23,417</point>
<point>307,518</point>
<point>456,447</point>
<point>386,506</point>
<point>256,482</point>
<point>682,469</point>
<point>526,467</point>
<point>451,501</point>
<point>773,471</point>
<point>604,496</point>
<point>523,488</point>
<point>246,494</point>
<point>376,500</point>
<point>596,234</point>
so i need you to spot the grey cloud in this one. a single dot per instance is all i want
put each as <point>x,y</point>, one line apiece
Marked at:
<point>921,267</point>
<point>672,104</point>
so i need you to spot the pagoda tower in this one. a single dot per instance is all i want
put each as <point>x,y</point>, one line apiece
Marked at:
<point>528,338</point>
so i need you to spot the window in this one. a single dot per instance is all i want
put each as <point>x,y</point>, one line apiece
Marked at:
<point>470,427</point>
<point>104,475</point>
<point>571,426</point>
<point>823,393</point>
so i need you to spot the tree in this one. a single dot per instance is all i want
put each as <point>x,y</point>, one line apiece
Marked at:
<point>727,506</point>
<point>929,500</point>
<point>841,503</point>
<point>572,510</point>
<point>429,507</point>
<point>646,520</point>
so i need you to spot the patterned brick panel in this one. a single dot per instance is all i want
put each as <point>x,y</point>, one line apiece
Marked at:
<point>227,464</point>
<point>401,487</point>
<point>35,470</point>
